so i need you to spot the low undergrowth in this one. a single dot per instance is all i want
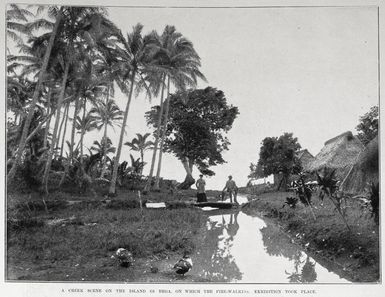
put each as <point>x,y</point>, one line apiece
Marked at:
<point>96,233</point>
<point>356,250</point>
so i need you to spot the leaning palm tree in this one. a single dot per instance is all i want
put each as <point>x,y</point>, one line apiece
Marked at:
<point>180,63</point>
<point>140,144</point>
<point>133,58</point>
<point>89,74</point>
<point>35,97</point>
<point>66,24</point>
<point>72,33</point>
<point>55,140</point>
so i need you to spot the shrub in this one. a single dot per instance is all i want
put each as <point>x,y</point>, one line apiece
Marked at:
<point>374,201</point>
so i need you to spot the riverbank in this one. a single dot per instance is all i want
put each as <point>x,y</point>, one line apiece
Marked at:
<point>354,253</point>
<point>72,238</point>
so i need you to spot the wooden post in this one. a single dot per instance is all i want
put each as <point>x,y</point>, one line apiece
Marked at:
<point>140,204</point>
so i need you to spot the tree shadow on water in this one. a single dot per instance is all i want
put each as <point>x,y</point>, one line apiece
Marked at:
<point>216,262</point>
<point>276,244</point>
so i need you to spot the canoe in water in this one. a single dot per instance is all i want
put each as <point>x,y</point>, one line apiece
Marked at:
<point>224,205</point>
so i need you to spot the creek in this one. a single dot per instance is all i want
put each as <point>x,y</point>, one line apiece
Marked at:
<point>248,249</point>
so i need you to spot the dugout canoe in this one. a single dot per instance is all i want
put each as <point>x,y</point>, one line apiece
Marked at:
<point>221,205</point>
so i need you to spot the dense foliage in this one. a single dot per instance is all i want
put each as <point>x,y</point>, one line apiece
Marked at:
<point>368,126</point>
<point>62,70</point>
<point>198,121</point>
<point>277,155</point>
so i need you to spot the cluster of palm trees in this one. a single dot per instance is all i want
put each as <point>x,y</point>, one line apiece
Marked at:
<point>68,73</point>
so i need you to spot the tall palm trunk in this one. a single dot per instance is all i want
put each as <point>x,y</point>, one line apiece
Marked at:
<point>83,131</point>
<point>112,189</point>
<point>35,98</point>
<point>72,144</point>
<point>157,135</point>
<point>38,127</point>
<point>142,159</point>
<point>61,127</point>
<point>46,131</point>
<point>65,130</point>
<point>104,157</point>
<point>57,120</point>
<point>167,107</point>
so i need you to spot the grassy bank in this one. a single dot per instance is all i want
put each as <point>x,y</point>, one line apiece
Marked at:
<point>354,252</point>
<point>75,241</point>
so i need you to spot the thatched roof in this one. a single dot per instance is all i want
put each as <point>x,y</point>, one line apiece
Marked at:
<point>364,171</point>
<point>305,158</point>
<point>338,153</point>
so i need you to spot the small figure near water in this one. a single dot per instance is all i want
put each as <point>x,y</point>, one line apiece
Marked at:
<point>201,193</point>
<point>232,189</point>
<point>183,265</point>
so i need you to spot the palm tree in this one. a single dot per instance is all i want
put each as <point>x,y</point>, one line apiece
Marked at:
<point>180,63</point>
<point>140,144</point>
<point>104,147</point>
<point>66,20</point>
<point>35,97</point>
<point>56,126</point>
<point>85,124</point>
<point>134,58</point>
<point>96,30</point>
<point>60,137</point>
<point>72,31</point>
<point>89,76</point>
<point>106,114</point>
<point>17,19</point>
<point>17,96</point>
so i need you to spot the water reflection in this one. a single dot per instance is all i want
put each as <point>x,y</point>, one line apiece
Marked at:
<point>216,261</point>
<point>242,248</point>
<point>279,245</point>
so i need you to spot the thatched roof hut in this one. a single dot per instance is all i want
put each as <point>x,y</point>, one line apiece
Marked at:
<point>339,153</point>
<point>305,158</point>
<point>364,171</point>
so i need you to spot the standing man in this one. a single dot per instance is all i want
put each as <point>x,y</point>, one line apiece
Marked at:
<point>232,189</point>
<point>201,193</point>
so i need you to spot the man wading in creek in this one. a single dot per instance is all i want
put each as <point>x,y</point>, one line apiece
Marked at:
<point>232,189</point>
<point>201,194</point>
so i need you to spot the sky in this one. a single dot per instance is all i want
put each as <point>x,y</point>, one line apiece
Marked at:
<point>309,71</point>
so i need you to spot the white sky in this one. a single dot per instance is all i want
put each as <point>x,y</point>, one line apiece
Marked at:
<point>310,71</point>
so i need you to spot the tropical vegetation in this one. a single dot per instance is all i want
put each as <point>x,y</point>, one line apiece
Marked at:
<point>197,123</point>
<point>64,65</point>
